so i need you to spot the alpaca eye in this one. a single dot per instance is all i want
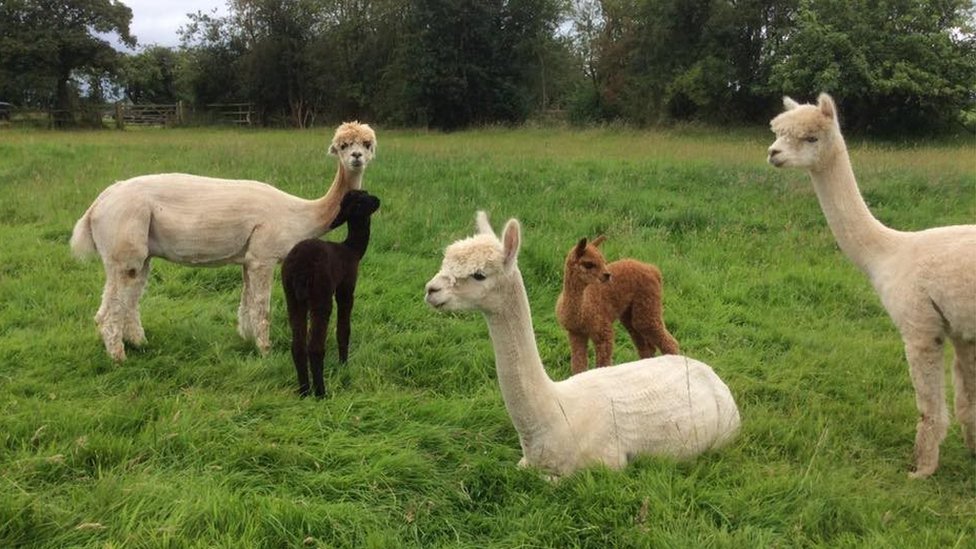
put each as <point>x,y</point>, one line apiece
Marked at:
<point>478,275</point>
<point>588,265</point>
<point>343,146</point>
<point>368,144</point>
<point>810,139</point>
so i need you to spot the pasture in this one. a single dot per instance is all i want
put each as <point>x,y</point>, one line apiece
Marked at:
<point>197,441</point>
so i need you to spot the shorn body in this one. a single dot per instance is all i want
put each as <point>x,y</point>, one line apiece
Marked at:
<point>204,221</point>
<point>926,279</point>
<point>670,406</point>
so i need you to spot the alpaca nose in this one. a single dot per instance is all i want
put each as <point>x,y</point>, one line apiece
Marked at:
<point>357,155</point>
<point>606,277</point>
<point>773,152</point>
<point>432,289</point>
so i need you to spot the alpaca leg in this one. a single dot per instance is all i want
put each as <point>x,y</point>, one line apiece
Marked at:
<point>259,277</point>
<point>603,342</point>
<point>964,373</point>
<point>925,363</point>
<point>648,319</point>
<point>344,301</point>
<point>297,319</point>
<point>579,359</point>
<point>663,339</point>
<point>109,317</point>
<point>316,343</point>
<point>243,316</point>
<point>644,347</point>
<point>133,332</point>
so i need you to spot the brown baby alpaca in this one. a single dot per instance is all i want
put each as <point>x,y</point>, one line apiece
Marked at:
<point>596,293</point>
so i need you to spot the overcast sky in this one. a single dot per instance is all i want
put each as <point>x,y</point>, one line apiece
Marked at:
<point>156,21</point>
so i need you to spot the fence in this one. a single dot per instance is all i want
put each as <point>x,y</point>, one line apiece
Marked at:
<point>148,115</point>
<point>239,114</point>
<point>121,115</point>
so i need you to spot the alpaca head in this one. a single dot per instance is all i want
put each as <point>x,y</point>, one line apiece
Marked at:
<point>478,271</point>
<point>806,135</point>
<point>356,205</point>
<point>585,262</point>
<point>354,144</point>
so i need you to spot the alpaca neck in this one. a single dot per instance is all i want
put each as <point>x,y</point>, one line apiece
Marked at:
<point>327,207</point>
<point>528,392</point>
<point>571,299</point>
<point>357,239</point>
<point>862,238</point>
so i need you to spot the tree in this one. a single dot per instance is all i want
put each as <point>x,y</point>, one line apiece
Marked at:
<point>897,65</point>
<point>47,46</point>
<point>152,76</point>
<point>474,61</point>
<point>655,60</point>
<point>213,54</point>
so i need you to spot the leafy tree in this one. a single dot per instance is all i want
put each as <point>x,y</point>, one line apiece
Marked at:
<point>898,65</point>
<point>654,60</point>
<point>475,61</point>
<point>152,76</point>
<point>47,46</point>
<point>214,54</point>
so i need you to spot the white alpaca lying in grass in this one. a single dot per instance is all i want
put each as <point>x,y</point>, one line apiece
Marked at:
<point>203,221</point>
<point>926,279</point>
<point>666,406</point>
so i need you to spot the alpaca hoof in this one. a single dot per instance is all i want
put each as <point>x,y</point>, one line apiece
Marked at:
<point>117,356</point>
<point>138,339</point>
<point>921,473</point>
<point>917,475</point>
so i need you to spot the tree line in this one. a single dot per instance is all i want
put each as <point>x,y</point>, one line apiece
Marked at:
<point>898,66</point>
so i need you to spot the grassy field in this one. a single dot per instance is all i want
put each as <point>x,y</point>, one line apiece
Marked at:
<point>197,441</point>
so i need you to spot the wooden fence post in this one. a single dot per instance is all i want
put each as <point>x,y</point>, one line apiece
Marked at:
<point>119,122</point>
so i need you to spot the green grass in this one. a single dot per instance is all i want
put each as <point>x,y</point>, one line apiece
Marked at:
<point>196,441</point>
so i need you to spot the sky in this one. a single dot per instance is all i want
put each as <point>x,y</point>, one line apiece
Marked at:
<point>157,22</point>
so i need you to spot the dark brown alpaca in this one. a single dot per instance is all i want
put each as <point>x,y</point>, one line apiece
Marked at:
<point>313,272</point>
<point>596,293</point>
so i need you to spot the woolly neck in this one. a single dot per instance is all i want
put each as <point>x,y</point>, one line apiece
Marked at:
<point>862,238</point>
<point>528,392</point>
<point>571,299</point>
<point>328,206</point>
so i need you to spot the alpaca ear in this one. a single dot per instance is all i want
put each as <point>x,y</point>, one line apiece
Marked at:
<point>481,222</point>
<point>511,240</point>
<point>827,106</point>
<point>333,150</point>
<point>789,104</point>
<point>580,248</point>
<point>599,240</point>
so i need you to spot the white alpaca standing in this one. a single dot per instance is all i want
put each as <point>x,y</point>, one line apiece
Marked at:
<point>926,279</point>
<point>203,221</point>
<point>666,406</point>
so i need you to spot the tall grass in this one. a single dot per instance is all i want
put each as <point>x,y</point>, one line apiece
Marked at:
<point>197,441</point>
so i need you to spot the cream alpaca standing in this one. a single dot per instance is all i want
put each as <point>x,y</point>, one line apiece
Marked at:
<point>666,406</point>
<point>596,293</point>
<point>926,279</point>
<point>203,221</point>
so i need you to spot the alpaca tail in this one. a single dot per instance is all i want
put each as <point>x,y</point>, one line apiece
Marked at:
<point>82,242</point>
